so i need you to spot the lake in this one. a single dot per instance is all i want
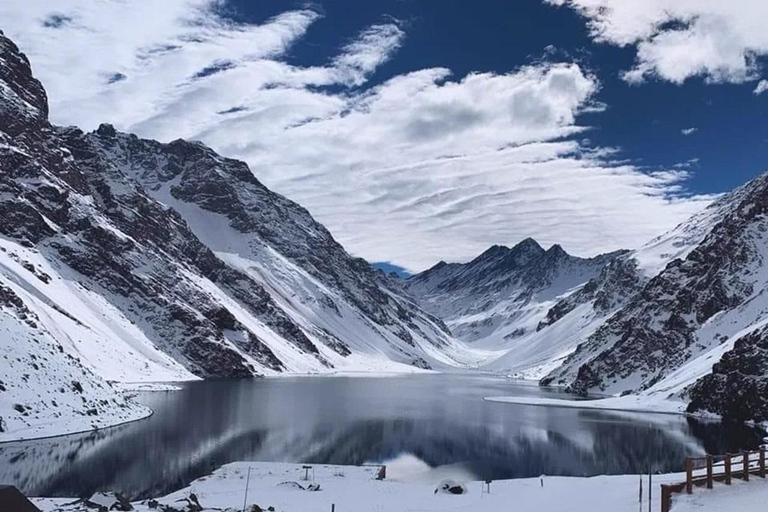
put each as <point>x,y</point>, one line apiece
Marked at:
<point>411,423</point>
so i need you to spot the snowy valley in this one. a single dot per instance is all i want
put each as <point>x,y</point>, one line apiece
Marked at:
<point>126,260</point>
<point>129,261</point>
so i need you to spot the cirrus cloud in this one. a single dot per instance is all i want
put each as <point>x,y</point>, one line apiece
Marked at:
<point>419,167</point>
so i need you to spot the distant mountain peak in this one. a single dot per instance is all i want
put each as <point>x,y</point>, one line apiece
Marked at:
<point>528,244</point>
<point>488,295</point>
<point>557,251</point>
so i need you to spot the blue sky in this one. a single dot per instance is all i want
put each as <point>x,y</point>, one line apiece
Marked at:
<point>645,121</point>
<point>419,131</point>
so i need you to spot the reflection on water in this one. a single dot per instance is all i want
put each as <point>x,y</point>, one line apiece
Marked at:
<point>438,419</point>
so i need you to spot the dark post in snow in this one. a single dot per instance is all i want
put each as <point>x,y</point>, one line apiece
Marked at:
<point>727,462</point>
<point>745,459</point>
<point>333,507</point>
<point>650,490</point>
<point>762,462</point>
<point>247,482</point>
<point>666,498</point>
<point>689,475</point>
<point>650,471</point>
<point>710,472</point>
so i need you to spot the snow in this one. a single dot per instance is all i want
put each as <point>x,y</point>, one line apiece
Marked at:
<point>654,256</point>
<point>649,403</point>
<point>56,368</point>
<point>301,296</point>
<point>87,324</point>
<point>355,489</point>
<point>739,496</point>
<point>145,386</point>
<point>535,355</point>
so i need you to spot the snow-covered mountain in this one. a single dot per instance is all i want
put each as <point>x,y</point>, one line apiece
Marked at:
<point>685,316</point>
<point>125,259</point>
<point>707,306</point>
<point>505,293</point>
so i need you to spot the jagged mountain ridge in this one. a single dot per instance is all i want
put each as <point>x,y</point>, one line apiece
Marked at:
<point>92,247</point>
<point>505,292</point>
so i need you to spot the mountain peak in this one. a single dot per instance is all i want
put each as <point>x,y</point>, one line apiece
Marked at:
<point>528,244</point>
<point>106,130</point>
<point>25,104</point>
<point>557,251</point>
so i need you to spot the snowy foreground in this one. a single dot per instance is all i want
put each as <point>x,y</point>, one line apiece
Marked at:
<point>284,486</point>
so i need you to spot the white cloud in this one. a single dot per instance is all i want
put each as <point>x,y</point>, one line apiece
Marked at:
<point>761,87</point>
<point>689,131</point>
<point>678,39</point>
<point>422,167</point>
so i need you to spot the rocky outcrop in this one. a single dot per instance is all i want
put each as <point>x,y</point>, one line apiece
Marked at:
<point>738,385</point>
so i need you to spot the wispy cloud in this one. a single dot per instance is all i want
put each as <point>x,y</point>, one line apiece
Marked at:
<point>420,167</point>
<point>689,131</point>
<point>761,87</point>
<point>720,41</point>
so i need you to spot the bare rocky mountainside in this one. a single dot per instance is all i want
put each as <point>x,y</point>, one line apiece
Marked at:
<point>124,259</point>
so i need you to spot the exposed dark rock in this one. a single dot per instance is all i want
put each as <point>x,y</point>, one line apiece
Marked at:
<point>737,388</point>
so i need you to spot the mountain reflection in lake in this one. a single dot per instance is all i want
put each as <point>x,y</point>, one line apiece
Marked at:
<point>439,419</point>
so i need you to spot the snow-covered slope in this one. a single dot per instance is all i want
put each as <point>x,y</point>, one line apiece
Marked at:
<point>45,387</point>
<point>236,281</point>
<point>504,293</point>
<point>347,309</point>
<point>707,304</point>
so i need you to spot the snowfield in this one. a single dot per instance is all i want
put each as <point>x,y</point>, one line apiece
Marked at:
<point>284,487</point>
<point>355,489</point>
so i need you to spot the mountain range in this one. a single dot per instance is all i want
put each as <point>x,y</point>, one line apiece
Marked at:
<point>125,260</point>
<point>685,317</point>
<point>130,260</point>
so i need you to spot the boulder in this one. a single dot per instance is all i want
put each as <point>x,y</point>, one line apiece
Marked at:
<point>451,487</point>
<point>106,501</point>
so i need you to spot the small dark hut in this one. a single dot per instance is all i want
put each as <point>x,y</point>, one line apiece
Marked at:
<point>12,500</point>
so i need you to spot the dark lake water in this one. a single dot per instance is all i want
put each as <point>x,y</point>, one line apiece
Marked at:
<point>441,420</point>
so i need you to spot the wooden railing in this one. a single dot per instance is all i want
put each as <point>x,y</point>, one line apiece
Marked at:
<point>701,471</point>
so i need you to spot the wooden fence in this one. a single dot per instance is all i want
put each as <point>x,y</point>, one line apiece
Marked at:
<point>701,471</point>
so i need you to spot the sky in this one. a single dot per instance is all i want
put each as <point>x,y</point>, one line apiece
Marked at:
<point>420,131</point>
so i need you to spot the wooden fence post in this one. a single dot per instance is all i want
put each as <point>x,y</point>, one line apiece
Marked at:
<point>666,498</point>
<point>710,477</point>
<point>745,459</point>
<point>727,462</point>
<point>689,475</point>
<point>762,462</point>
